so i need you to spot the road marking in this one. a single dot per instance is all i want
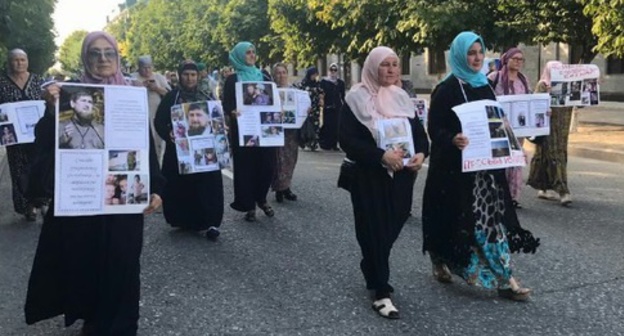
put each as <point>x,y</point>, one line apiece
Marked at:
<point>227,173</point>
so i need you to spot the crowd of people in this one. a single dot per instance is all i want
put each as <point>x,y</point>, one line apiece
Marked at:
<point>87,267</point>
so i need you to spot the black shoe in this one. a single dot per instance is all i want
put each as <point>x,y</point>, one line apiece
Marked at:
<point>31,214</point>
<point>279,196</point>
<point>287,194</point>
<point>268,211</point>
<point>250,216</point>
<point>212,233</point>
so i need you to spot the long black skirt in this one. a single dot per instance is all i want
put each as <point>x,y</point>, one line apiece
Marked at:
<point>254,169</point>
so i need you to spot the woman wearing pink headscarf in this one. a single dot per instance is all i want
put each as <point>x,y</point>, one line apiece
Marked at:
<point>549,172</point>
<point>87,267</point>
<point>380,185</point>
<point>510,81</point>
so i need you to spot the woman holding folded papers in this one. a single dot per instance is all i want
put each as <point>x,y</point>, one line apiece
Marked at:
<point>380,184</point>
<point>87,267</point>
<point>470,226</point>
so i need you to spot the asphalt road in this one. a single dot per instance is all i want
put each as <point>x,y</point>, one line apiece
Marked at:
<point>298,273</point>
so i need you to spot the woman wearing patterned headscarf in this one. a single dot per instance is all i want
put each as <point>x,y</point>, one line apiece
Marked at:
<point>87,267</point>
<point>509,80</point>
<point>470,226</point>
<point>253,166</point>
<point>549,172</point>
<point>382,186</point>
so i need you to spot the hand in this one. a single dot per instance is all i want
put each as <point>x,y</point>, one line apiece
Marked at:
<point>460,141</point>
<point>549,112</point>
<point>416,162</point>
<point>171,136</point>
<point>236,113</point>
<point>393,160</point>
<point>155,203</point>
<point>51,93</point>
<point>67,135</point>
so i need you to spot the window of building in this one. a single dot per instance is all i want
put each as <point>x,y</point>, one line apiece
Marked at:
<point>405,64</point>
<point>615,65</point>
<point>436,61</point>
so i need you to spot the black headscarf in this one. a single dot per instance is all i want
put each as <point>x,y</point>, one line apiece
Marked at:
<point>307,80</point>
<point>187,95</point>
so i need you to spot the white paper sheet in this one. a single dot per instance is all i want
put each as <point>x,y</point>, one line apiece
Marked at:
<point>575,85</point>
<point>295,106</point>
<point>527,113</point>
<point>18,121</point>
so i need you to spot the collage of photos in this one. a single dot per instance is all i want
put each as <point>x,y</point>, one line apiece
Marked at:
<point>575,85</point>
<point>18,120</point>
<point>200,137</point>
<point>261,123</point>
<point>295,105</point>
<point>502,136</point>
<point>527,113</point>
<point>396,134</point>
<point>122,166</point>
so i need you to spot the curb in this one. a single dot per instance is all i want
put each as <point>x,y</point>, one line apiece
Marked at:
<point>609,155</point>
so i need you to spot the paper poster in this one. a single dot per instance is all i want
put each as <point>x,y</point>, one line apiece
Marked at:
<point>102,150</point>
<point>575,85</point>
<point>18,121</point>
<point>527,113</point>
<point>492,143</point>
<point>260,122</point>
<point>421,111</point>
<point>396,133</point>
<point>295,106</point>
<point>200,137</point>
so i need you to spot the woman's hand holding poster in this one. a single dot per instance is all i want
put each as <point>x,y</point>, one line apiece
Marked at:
<point>102,150</point>
<point>260,121</point>
<point>492,143</point>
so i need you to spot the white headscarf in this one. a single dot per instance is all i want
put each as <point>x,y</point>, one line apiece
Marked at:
<point>370,101</point>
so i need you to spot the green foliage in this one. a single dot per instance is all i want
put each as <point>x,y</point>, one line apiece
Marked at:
<point>28,25</point>
<point>69,53</point>
<point>608,25</point>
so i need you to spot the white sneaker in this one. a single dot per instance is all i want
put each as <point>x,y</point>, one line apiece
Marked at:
<point>566,199</point>
<point>550,195</point>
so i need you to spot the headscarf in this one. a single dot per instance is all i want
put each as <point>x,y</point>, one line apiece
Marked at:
<point>332,76</point>
<point>370,101</point>
<point>145,60</point>
<point>504,72</point>
<point>459,62</point>
<point>201,66</point>
<point>237,60</point>
<point>307,80</point>
<point>87,76</point>
<point>546,73</point>
<point>187,95</point>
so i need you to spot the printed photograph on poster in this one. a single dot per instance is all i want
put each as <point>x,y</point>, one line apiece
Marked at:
<point>251,140</point>
<point>591,91</point>
<point>198,119</point>
<point>218,126</point>
<point>81,120</point>
<point>27,118</point>
<point>289,117</point>
<point>124,160</point>
<point>204,157</point>
<point>221,145</point>
<point>402,147</point>
<point>540,120</point>
<point>8,135</point>
<point>182,147</point>
<point>179,129</point>
<point>258,94</point>
<point>177,113</point>
<point>270,118</point>
<point>216,111</point>
<point>116,189</point>
<point>396,134</point>
<point>420,109</point>
<point>184,166</point>
<point>395,130</point>
<point>500,148</point>
<point>4,117</point>
<point>272,131</point>
<point>138,190</point>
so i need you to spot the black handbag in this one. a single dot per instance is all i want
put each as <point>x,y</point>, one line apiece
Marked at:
<point>307,132</point>
<point>347,174</point>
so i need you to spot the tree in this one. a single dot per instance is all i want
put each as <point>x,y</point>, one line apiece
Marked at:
<point>608,25</point>
<point>69,53</point>
<point>28,25</point>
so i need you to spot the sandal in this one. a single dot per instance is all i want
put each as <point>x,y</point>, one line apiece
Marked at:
<point>268,211</point>
<point>386,309</point>
<point>518,295</point>
<point>442,273</point>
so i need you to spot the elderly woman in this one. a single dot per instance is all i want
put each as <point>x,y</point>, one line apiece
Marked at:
<point>193,201</point>
<point>311,84</point>
<point>380,184</point>
<point>287,155</point>
<point>470,226</point>
<point>549,171</point>
<point>510,81</point>
<point>253,166</point>
<point>87,267</point>
<point>19,84</point>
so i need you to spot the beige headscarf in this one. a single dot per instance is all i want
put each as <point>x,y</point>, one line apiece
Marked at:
<point>370,101</point>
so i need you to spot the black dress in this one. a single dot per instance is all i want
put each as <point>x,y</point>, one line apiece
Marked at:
<point>450,214</point>
<point>381,204</point>
<point>85,267</point>
<point>334,99</point>
<point>193,201</point>
<point>254,167</point>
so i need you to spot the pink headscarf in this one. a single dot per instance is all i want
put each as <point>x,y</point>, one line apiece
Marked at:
<point>370,101</point>
<point>504,71</point>
<point>87,76</point>
<point>546,73</point>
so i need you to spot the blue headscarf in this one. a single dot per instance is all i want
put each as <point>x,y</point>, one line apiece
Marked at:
<point>458,59</point>
<point>243,71</point>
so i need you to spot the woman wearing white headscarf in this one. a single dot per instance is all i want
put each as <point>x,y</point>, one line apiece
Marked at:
<point>380,185</point>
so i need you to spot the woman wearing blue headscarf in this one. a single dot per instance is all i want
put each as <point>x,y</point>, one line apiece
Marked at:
<point>254,167</point>
<point>470,226</point>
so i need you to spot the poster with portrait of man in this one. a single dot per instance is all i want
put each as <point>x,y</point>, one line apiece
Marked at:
<point>102,138</point>
<point>18,121</point>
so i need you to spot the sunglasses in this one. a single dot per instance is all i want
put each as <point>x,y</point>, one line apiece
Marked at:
<point>333,70</point>
<point>97,54</point>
